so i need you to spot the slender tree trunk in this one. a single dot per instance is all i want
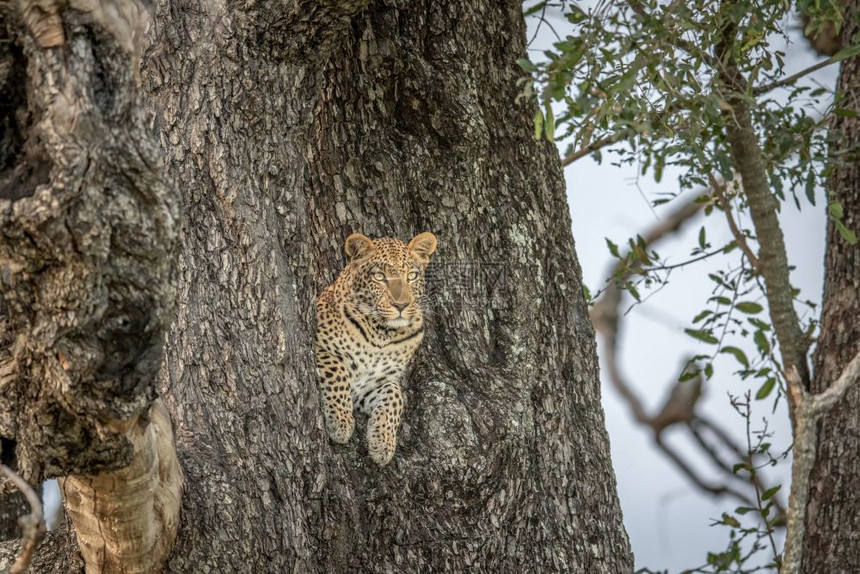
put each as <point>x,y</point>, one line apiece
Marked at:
<point>833,513</point>
<point>287,126</point>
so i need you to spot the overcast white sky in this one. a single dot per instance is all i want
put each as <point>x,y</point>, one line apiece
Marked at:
<point>667,519</point>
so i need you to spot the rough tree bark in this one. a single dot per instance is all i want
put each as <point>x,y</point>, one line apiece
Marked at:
<point>88,224</point>
<point>833,521</point>
<point>12,505</point>
<point>287,126</point>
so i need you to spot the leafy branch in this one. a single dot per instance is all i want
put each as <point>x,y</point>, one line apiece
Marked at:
<point>688,85</point>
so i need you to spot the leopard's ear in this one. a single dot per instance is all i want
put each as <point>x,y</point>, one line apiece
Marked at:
<point>423,245</point>
<point>357,246</point>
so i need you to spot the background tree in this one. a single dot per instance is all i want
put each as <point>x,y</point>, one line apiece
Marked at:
<point>691,86</point>
<point>286,127</point>
<point>832,517</point>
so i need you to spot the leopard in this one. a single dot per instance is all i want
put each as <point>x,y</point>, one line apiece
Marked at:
<point>369,324</point>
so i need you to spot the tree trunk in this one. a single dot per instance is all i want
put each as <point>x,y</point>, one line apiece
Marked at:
<point>833,513</point>
<point>288,126</point>
<point>288,129</point>
<point>88,223</point>
<point>12,505</point>
<point>12,501</point>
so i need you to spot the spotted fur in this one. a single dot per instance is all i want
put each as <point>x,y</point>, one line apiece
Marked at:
<point>369,324</point>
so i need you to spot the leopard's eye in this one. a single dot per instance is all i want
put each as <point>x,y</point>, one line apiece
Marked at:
<point>413,275</point>
<point>378,276</point>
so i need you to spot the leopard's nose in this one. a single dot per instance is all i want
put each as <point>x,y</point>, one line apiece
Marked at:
<point>399,306</point>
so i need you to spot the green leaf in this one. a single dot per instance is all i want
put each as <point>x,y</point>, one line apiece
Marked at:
<point>765,389</point>
<point>738,354</point>
<point>749,307</point>
<point>550,123</point>
<point>702,315</point>
<point>709,371</point>
<point>842,113</point>
<point>576,14</point>
<point>534,9</point>
<point>745,509</point>
<point>810,187</point>
<point>849,236</point>
<point>538,121</point>
<point>767,494</point>
<point>846,53</point>
<point>835,209</point>
<point>527,65</point>
<point>613,249</point>
<point>730,520</point>
<point>641,255</point>
<point>704,336</point>
<point>702,237</point>
<point>633,291</point>
<point>688,375</point>
<point>761,342</point>
<point>741,466</point>
<point>659,165</point>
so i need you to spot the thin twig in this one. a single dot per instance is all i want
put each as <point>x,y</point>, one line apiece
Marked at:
<point>541,20</point>
<point>740,238</point>
<point>734,448</point>
<point>592,147</point>
<point>702,257</point>
<point>713,489</point>
<point>756,484</point>
<point>677,409</point>
<point>765,88</point>
<point>32,525</point>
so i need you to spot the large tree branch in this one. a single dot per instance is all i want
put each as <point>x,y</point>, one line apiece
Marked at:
<point>805,409</point>
<point>88,224</point>
<point>108,509</point>
<point>808,410</point>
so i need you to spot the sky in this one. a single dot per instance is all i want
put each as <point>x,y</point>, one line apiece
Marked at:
<point>667,519</point>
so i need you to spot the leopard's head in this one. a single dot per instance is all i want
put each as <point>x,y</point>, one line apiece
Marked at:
<point>388,277</point>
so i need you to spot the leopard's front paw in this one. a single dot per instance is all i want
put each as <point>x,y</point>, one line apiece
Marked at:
<point>340,427</point>
<point>381,437</point>
<point>382,452</point>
